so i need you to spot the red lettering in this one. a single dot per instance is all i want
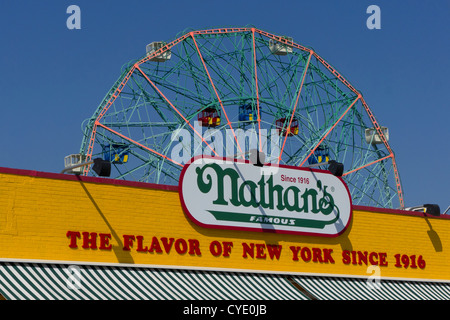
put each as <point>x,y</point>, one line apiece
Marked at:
<point>274,251</point>
<point>167,243</point>
<point>155,246</point>
<point>181,246</point>
<point>295,251</point>
<point>127,242</point>
<point>227,248</point>
<point>215,248</point>
<point>314,254</point>
<point>140,248</point>
<point>327,255</point>
<point>346,257</point>
<point>317,255</point>
<point>89,240</point>
<point>287,178</point>
<point>354,257</point>
<point>305,253</point>
<point>194,247</point>
<point>362,257</point>
<point>104,241</point>
<point>248,249</point>
<point>373,262</point>
<point>260,254</point>
<point>382,256</point>
<point>73,238</point>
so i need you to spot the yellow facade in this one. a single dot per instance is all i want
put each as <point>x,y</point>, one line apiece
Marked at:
<point>64,218</point>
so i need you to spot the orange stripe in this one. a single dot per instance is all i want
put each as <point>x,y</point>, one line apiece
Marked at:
<point>329,130</point>
<point>179,113</point>
<point>366,165</point>
<point>257,90</point>
<point>296,103</point>
<point>217,95</point>
<point>137,143</point>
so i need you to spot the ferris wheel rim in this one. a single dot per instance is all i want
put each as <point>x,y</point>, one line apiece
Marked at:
<point>135,67</point>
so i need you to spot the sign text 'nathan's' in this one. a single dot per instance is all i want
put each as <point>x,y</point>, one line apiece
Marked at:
<point>233,194</point>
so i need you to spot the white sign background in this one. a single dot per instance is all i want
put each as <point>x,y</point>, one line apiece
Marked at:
<point>199,206</point>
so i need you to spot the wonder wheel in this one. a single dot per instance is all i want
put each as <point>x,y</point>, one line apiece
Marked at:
<point>226,91</point>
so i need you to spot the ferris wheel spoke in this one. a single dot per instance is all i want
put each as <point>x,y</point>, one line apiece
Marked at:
<point>179,113</point>
<point>137,143</point>
<point>130,172</point>
<point>224,77</point>
<point>276,77</point>
<point>217,95</point>
<point>256,89</point>
<point>299,91</point>
<point>330,129</point>
<point>366,165</point>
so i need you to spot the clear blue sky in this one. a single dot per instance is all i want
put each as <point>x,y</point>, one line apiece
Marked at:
<point>53,78</point>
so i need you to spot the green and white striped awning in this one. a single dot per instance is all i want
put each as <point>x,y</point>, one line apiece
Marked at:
<point>21,281</point>
<point>37,281</point>
<point>332,288</point>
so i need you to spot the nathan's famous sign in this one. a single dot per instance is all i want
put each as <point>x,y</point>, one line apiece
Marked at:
<point>233,194</point>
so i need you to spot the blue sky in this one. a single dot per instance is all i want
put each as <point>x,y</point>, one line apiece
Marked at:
<point>53,78</point>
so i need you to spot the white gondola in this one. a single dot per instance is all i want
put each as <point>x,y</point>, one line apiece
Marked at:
<point>372,136</point>
<point>154,46</point>
<point>280,48</point>
<point>73,160</point>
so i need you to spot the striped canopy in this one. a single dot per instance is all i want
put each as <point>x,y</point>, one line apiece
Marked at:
<point>37,281</point>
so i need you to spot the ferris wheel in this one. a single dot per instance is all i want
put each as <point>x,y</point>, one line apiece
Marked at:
<point>225,91</point>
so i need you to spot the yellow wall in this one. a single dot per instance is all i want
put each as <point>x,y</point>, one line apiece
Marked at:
<point>37,210</point>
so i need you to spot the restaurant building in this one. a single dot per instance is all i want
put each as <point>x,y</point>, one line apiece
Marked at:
<point>291,235</point>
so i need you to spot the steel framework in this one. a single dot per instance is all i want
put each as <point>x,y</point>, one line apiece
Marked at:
<point>285,87</point>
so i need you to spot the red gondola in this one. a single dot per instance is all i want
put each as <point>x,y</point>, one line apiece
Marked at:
<point>283,127</point>
<point>209,117</point>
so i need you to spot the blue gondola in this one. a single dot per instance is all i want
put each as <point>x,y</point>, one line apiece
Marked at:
<point>321,154</point>
<point>116,153</point>
<point>246,112</point>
